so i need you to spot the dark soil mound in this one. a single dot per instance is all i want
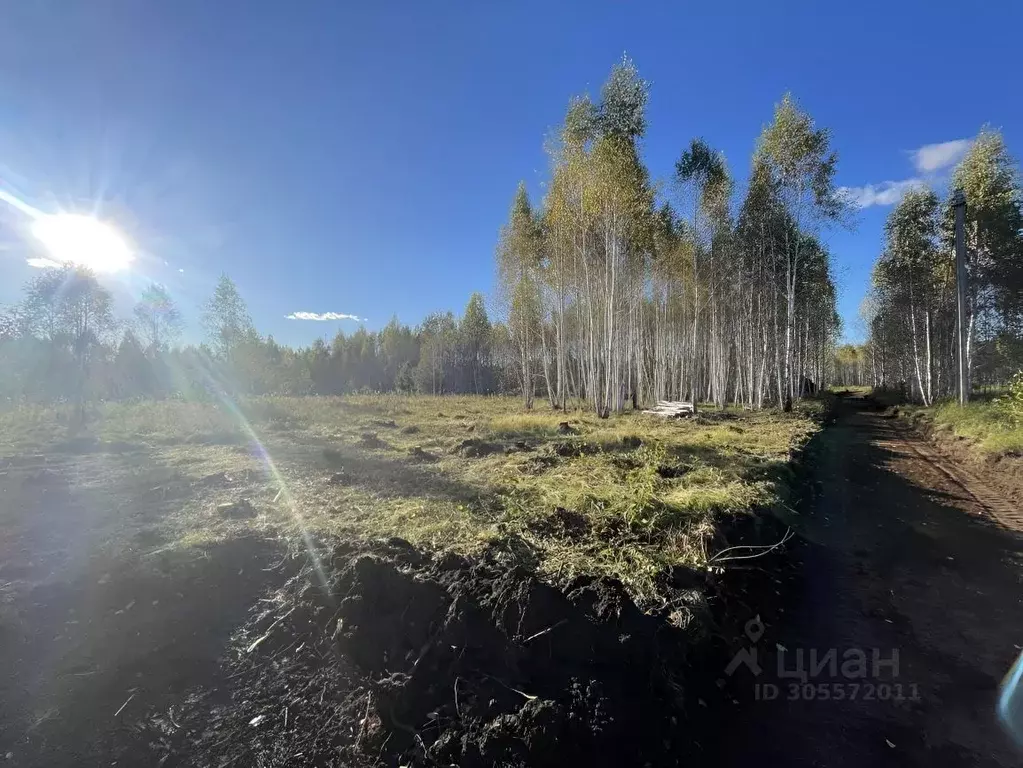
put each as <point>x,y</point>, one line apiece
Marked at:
<point>475,448</point>
<point>153,631</point>
<point>400,659</point>
<point>519,446</point>
<point>563,524</point>
<point>237,510</point>
<point>339,478</point>
<point>572,449</point>
<point>417,453</point>
<point>539,464</point>
<point>370,440</point>
<point>671,471</point>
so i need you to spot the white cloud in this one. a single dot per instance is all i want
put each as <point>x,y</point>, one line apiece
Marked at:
<point>885,193</point>
<point>42,263</point>
<point>324,316</point>
<point>933,157</point>
<point>930,161</point>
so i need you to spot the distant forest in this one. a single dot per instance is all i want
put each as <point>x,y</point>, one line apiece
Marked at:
<point>613,288</point>
<point>62,342</point>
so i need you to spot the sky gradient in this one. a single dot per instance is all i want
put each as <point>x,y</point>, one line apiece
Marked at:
<point>354,161</point>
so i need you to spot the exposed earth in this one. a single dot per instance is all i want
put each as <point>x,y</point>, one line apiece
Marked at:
<point>905,551</point>
<point>378,654</point>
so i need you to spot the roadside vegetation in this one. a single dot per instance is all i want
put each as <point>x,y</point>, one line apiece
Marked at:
<point>994,426</point>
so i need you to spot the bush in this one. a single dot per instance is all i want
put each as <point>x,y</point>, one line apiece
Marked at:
<point>1011,404</point>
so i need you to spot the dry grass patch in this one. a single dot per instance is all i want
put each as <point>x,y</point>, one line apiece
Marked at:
<point>626,496</point>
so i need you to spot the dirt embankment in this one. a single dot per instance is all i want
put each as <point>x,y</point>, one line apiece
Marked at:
<point>1002,471</point>
<point>380,654</point>
<point>387,655</point>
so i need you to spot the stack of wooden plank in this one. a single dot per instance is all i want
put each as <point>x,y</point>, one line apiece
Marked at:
<point>672,409</point>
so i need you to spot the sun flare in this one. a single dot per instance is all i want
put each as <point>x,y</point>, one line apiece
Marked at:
<point>83,240</point>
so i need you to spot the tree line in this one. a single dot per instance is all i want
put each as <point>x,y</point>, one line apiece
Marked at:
<point>616,288</point>
<point>63,342</point>
<point>911,312</point>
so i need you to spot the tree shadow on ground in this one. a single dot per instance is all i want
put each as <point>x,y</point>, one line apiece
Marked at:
<point>397,476</point>
<point>109,639</point>
<point>748,466</point>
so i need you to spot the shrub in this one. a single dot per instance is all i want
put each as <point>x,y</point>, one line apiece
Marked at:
<point>1011,404</point>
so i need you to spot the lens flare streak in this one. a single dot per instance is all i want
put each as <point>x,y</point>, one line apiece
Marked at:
<point>274,474</point>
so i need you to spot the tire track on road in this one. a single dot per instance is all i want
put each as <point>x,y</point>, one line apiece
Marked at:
<point>1000,510</point>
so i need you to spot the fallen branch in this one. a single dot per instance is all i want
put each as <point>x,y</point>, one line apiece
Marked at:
<point>527,696</point>
<point>119,711</point>
<point>255,643</point>
<point>545,631</point>
<point>766,547</point>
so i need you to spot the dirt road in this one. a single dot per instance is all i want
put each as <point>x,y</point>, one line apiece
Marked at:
<point>903,555</point>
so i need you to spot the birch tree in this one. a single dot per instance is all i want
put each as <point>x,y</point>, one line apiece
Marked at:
<point>615,296</point>
<point>990,182</point>
<point>913,317</point>
<point>157,317</point>
<point>517,264</point>
<point>799,159</point>
<point>908,271</point>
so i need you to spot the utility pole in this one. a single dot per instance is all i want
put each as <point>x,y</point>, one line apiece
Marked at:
<point>959,204</point>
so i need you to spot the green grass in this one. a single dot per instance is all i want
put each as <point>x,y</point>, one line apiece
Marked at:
<point>985,423</point>
<point>446,473</point>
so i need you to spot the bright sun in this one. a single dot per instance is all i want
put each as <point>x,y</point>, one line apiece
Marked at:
<point>83,240</point>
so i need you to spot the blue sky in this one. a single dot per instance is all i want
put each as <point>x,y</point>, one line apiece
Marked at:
<point>359,158</point>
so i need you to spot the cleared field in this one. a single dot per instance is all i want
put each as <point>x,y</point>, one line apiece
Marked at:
<point>625,497</point>
<point>159,552</point>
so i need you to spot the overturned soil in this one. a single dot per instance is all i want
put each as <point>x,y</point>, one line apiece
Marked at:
<point>117,650</point>
<point>385,655</point>
<point>85,661</point>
